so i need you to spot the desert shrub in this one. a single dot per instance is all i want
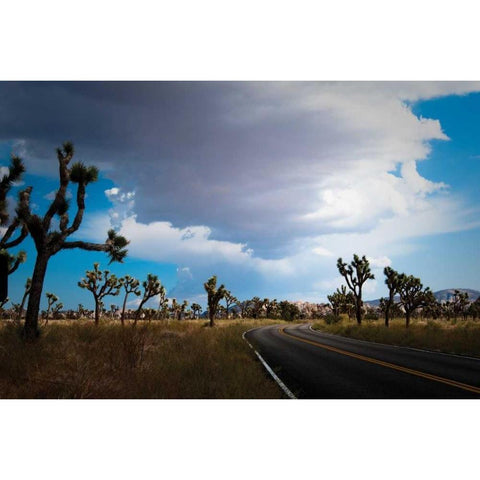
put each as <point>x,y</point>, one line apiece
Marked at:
<point>331,319</point>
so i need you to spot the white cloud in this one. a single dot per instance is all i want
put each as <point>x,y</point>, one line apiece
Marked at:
<point>380,262</point>
<point>322,251</point>
<point>112,192</point>
<point>123,205</point>
<point>311,268</point>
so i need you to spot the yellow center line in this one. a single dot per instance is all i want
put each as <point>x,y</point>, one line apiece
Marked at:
<point>429,376</point>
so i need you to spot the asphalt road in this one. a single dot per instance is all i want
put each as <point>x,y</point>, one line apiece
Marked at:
<point>319,365</point>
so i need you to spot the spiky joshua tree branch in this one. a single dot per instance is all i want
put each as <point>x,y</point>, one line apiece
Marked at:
<point>49,241</point>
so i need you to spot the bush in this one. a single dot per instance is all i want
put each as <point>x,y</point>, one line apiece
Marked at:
<point>331,319</point>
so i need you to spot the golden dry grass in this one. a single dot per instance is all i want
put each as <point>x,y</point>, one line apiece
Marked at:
<point>454,336</point>
<point>175,360</point>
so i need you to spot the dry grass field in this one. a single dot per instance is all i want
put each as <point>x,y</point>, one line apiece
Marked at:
<point>165,360</point>
<point>460,337</point>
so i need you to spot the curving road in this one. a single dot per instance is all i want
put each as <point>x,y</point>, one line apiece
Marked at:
<point>319,365</point>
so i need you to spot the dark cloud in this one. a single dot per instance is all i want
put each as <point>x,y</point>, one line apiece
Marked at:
<point>246,159</point>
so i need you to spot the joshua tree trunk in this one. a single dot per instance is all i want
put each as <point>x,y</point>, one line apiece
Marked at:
<point>358,310</point>
<point>407,318</point>
<point>20,308</point>
<point>212,318</point>
<point>97,312</point>
<point>31,319</point>
<point>122,318</point>
<point>387,311</point>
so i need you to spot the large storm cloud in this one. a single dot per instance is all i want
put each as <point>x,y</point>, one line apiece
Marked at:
<point>268,170</point>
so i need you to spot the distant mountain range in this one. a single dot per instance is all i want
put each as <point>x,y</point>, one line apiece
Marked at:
<point>442,295</point>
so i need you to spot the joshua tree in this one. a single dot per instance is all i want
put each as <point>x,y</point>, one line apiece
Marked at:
<point>93,282</point>
<point>288,311</point>
<point>15,172</point>
<point>113,310</point>
<point>392,280</point>
<point>130,285</point>
<point>474,309</point>
<point>433,309</point>
<point>162,310</point>
<point>214,297</point>
<point>196,309</point>
<point>174,307</point>
<point>229,301</point>
<point>271,307</point>
<point>356,274</point>
<point>178,309</point>
<point>412,295</point>
<point>51,299</point>
<point>48,240</point>
<point>257,305</point>
<point>26,293</point>
<point>336,302</point>
<point>460,303</point>
<point>341,301</point>
<point>245,308</point>
<point>181,309</point>
<point>151,288</point>
<point>81,310</point>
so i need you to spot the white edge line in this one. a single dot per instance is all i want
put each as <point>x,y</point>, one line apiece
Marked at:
<point>269,370</point>
<point>422,350</point>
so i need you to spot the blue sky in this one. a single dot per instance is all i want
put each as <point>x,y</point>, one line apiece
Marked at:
<point>263,184</point>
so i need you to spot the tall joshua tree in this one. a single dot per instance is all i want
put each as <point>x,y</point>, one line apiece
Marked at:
<point>100,284</point>
<point>337,300</point>
<point>356,274</point>
<point>178,309</point>
<point>229,301</point>
<point>393,282</point>
<point>162,310</point>
<point>56,309</point>
<point>151,288</point>
<point>130,285</point>
<point>341,301</point>
<point>51,299</point>
<point>460,303</point>
<point>214,297</point>
<point>412,295</point>
<point>48,240</point>
<point>196,309</point>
